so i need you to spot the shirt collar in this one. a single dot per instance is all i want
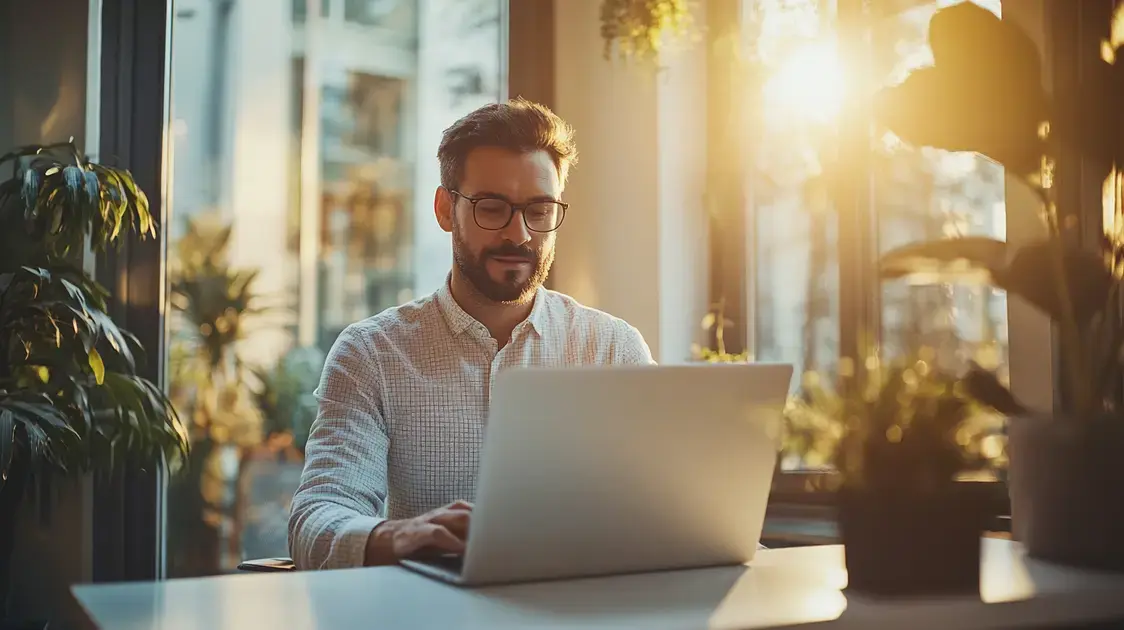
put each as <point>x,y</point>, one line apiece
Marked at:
<point>459,320</point>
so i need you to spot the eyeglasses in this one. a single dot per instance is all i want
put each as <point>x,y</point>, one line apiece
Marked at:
<point>491,213</point>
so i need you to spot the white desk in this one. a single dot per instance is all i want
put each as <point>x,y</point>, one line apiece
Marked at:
<point>781,588</point>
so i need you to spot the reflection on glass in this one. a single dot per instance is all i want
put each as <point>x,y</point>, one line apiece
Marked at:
<point>287,227</point>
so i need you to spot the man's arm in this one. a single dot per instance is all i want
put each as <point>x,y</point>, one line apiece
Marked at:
<point>344,484</point>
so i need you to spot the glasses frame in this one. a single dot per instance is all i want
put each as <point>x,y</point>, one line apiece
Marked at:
<point>512,209</point>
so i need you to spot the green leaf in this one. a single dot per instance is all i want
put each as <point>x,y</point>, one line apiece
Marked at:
<point>966,36</point>
<point>113,334</point>
<point>984,92</point>
<point>984,387</point>
<point>44,412</point>
<point>39,272</point>
<point>97,365</point>
<point>1031,276</point>
<point>75,292</point>
<point>36,441</point>
<point>708,321</point>
<point>967,260</point>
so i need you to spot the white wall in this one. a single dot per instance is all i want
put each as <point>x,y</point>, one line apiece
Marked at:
<point>684,259</point>
<point>634,240</point>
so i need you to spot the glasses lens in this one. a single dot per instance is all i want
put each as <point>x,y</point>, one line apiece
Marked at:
<point>543,216</point>
<point>492,214</point>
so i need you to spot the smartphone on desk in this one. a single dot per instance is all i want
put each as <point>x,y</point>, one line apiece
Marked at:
<point>268,565</point>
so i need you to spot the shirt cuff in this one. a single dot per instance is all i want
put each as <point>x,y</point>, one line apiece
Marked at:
<point>351,540</point>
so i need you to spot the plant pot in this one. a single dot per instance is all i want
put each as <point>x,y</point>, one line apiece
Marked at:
<point>1065,482</point>
<point>901,543</point>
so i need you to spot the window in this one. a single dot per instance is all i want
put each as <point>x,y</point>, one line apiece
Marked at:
<point>795,289</point>
<point>303,165</point>
<point>376,12</point>
<point>300,9</point>
<point>812,179</point>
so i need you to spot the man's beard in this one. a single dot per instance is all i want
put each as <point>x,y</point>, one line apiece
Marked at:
<point>510,290</point>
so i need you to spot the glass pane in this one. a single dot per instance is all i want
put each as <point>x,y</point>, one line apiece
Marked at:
<point>796,79</point>
<point>304,163</point>
<point>926,194</point>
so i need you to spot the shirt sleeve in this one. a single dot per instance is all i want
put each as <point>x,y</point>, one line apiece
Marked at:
<point>630,347</point>
<point>343,487</point>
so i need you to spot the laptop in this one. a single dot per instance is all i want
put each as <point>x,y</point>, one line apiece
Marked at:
<point>593,471</point>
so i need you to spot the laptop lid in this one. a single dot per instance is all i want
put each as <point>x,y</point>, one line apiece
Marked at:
<point>602,470</point>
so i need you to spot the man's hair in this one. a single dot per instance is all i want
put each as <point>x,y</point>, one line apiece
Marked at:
<point>518,125</point>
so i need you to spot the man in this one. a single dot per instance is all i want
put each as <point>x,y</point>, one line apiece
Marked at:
<point>404,394</point>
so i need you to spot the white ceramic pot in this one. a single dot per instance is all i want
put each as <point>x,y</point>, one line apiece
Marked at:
<point>1066,485</point>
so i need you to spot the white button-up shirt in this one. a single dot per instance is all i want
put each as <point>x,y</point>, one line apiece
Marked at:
<point>403,403</point>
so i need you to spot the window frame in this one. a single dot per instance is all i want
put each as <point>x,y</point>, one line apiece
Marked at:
<point>127,520</point>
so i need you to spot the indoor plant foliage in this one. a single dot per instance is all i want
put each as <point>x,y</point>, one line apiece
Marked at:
<point>637,28</point>
<point>70,396</point>
<point>211,386</point>
<point>715,323</point>
<point>984,94</point>
<point>906,436</point>
<point>286,397</point>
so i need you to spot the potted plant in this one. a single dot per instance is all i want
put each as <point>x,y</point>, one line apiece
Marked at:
<point>984,94</point>
<point>71,399</point>
<point>908,524</point>
<point>637,28</point>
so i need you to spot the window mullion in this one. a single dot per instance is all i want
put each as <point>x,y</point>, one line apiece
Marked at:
<point>859,296</point>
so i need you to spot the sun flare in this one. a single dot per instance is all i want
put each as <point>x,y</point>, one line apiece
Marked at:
<point>807,86</point>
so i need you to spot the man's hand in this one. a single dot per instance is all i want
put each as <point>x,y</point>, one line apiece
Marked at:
<point>443,530</point>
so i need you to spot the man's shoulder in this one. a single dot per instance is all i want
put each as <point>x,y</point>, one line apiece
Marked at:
<point>573,313</point>
<point>609,338</point>
<point>396,321</point>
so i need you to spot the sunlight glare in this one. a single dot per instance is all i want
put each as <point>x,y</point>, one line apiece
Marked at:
<point>808,86</point>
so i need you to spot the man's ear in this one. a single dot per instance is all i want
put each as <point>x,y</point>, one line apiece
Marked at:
<point>443,208</point>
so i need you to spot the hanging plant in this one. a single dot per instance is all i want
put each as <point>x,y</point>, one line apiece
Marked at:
<point>637,27</point>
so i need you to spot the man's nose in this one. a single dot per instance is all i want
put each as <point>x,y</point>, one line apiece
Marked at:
<point>516,230</point>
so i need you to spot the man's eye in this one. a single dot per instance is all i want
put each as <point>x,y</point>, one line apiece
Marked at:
<point>492,207</point>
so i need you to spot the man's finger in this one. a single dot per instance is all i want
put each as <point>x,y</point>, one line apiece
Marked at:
<point>426,541</point>
<point>441,538</point>
<point>459,505</point>
<point>456,521</point>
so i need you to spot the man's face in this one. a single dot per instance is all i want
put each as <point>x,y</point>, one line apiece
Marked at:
<point>506,265</point>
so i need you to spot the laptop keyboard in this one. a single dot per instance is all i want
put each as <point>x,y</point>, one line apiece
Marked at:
<point>450,563</point>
